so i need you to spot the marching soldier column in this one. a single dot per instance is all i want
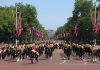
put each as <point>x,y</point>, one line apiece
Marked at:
<point>33,51</point>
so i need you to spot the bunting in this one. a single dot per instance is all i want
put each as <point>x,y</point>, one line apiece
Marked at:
<point>38,33</point>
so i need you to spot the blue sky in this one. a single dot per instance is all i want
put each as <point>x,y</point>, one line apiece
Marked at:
<point>51,13</point>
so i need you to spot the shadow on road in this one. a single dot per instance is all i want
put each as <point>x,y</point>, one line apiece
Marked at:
<point>63,56</point>
<point>43,59</point>
<point>27,64</point>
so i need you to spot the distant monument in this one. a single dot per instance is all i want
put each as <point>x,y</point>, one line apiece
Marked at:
<point>50,34</point>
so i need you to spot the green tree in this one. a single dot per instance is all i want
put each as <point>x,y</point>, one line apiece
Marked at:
<point>7,17</point>
<point>81,16</point>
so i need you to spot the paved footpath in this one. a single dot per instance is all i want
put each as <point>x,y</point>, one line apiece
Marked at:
<point>57,62</point>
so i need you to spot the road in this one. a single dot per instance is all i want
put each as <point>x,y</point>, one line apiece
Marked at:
<point>57,62</point>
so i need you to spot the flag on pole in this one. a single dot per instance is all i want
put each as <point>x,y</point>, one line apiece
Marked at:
<point>30,31</point>
<point>64,35</point>
<point>19,30</point>
<point>93,24</point>
<point>98,21</point>
<point>36,32</point>
<point>76,29</point>
<point>96,26</point>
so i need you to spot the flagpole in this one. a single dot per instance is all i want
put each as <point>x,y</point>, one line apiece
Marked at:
<point>95,23</point>
<point>16,27</point>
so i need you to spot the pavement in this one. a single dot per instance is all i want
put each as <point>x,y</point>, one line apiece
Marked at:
<point>57,62</point>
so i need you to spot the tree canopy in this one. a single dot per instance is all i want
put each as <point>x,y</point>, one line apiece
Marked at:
<point>81,17</point>
<point>7,18</point>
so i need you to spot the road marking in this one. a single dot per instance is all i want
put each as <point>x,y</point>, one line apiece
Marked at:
<point>63,61</point>
<point>51,58</point>
<point>85,62</point>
